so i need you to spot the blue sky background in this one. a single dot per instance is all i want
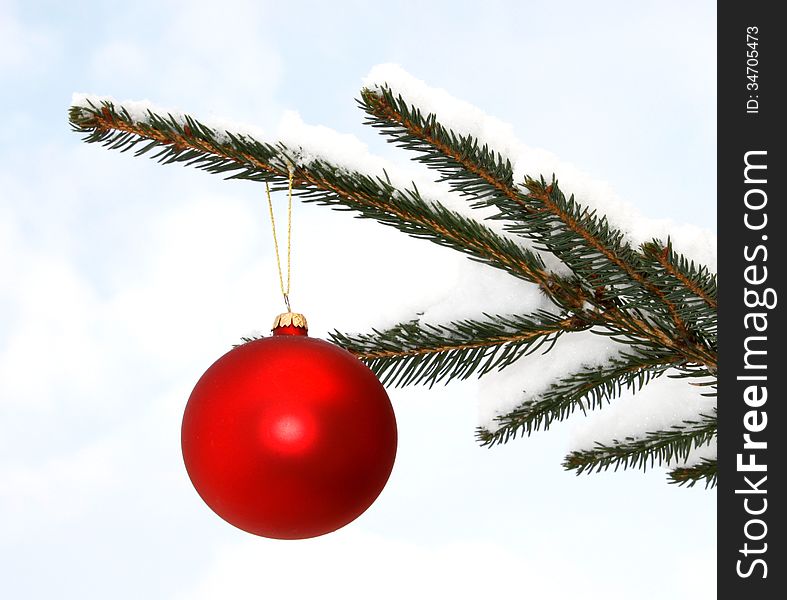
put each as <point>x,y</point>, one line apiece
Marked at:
<point>122,280</point>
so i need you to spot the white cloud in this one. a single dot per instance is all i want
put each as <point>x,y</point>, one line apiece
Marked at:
<point>56,491</point>
<point>119,58</point>
<point>23,46</point>
<point>207,60</point>
<point>51,348</point>
<point>358,564</point>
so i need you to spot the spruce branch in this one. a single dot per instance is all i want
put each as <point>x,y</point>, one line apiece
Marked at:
<point>696,279</point>
<point>590,247</point>
<point>241,156</point>
<point>488,179</point>
<point>478,173</point>
<point>585,390</point>
<point>706,470</point>
<point>656,447</point>
<point>690,288</point>
<point>635,328</point>
<point>607,268</point>
<point>410,353</point>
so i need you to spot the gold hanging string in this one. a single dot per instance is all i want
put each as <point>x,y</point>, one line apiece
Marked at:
<point>285,291</point>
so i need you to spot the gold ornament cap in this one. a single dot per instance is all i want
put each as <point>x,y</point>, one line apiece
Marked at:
<point>290,323</point>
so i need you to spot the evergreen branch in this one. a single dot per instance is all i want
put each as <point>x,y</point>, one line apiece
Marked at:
<point>588,245</point>
<point>692,289</point>
<point>634,328</point>
<point>483,175</point>
<point>243,157</point>
<point>623,282</point>
<point>411,353</point>
<point>706,469</point>
<point>694,278</point>
<point>585,389</point>
<point>479,173</point>
<point>641,452</point>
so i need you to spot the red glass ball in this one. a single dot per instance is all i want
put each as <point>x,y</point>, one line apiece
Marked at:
<point>289,437</point>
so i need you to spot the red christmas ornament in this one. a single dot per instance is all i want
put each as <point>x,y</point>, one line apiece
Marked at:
<point>289,436</point>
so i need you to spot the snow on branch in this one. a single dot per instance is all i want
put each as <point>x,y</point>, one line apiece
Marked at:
<point>463,118</point>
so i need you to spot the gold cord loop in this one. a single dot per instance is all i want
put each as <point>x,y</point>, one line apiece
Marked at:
<point>285,291</point>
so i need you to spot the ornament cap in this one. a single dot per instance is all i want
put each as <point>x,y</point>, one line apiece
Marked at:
<point>290,323</point>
